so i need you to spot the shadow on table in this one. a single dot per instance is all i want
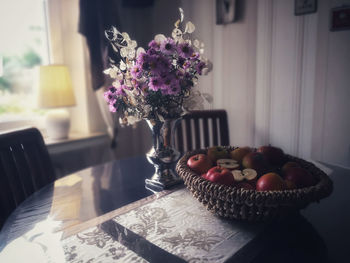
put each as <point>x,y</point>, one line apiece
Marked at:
<point>291,240</point>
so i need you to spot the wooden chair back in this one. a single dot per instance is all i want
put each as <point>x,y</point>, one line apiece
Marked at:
<point>202,128</point>
<point>25,167</point>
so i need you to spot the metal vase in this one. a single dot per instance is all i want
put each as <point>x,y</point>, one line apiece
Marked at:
<point>163,155</point>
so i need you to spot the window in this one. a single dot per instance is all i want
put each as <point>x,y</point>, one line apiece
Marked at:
<point>23,46</point>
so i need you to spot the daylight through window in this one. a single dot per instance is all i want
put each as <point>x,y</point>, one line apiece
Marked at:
<point>23,46</point>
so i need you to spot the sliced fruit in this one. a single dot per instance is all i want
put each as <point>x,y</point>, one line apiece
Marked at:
<point>227,163</point>
<point>246,174</point>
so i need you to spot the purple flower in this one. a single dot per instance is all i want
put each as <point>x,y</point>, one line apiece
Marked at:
<point>199,67</point>
<point>136,71</point>
<point>174,90</point>
<point>155,83</point>
<point>187,64</point>
<point>159,65</point>
<point>112,108</point>
<point>195,56</point>
<point>154,45</point>
<point>151,51</point>
<point>185,50</point>
<point>143,61</point>
<point>168,46</point>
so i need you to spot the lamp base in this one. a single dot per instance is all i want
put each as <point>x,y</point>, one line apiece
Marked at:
<point>57,123</point>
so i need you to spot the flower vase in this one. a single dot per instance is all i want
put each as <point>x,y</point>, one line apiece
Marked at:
<point>163,155</point>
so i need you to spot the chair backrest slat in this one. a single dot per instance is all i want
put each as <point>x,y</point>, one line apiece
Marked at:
<point>188,133</point>
<point>25,167</point>
<point>203,129</point>
<point>197,133</point>
<point>206,131</point>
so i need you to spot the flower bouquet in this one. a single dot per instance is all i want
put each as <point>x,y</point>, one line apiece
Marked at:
<point>158,85</point>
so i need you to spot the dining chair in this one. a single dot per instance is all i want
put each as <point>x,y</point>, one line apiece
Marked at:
<point>25,167</point>
<point>202,128</point>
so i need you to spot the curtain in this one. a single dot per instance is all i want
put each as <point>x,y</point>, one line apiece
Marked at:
<point>98,15</point>
<point>141,19</point>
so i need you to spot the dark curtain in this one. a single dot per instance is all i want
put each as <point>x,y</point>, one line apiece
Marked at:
<point>95,17</point>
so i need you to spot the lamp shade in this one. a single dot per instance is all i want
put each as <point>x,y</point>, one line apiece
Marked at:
<point>55,87</point>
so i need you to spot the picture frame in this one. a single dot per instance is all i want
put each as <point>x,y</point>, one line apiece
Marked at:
<point>339,19</point>
<point>303,7</point>
<point>225,11</point>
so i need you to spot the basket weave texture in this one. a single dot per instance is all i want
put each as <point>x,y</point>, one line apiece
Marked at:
<point>251,205</point>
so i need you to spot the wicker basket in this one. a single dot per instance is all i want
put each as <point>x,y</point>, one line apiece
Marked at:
<point>251,205</point>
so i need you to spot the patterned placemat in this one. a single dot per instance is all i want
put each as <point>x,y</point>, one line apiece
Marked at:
<point>173,228</point>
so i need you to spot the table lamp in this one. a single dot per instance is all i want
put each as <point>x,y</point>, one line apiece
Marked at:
<point>55,91</point>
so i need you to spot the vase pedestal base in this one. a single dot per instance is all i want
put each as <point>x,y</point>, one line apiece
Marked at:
<point>161,182</point>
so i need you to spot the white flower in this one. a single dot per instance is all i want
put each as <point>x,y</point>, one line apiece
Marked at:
<point>196,43</point>
<point>122,65</point>
<point>112,72</point>
<point>189,28</point>
<point>194,101</point>
<point>140,50</point>
<point>181,14</point>
<point>116,84</point>
<point>159,38</point>
<point>177,34</point>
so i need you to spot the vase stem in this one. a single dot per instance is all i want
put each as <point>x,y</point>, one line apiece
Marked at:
<point>163,155</point>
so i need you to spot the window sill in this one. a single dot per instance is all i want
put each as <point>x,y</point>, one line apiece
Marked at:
<point>76,141</point>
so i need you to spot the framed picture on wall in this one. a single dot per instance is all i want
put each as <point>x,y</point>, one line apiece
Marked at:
<point>340,18</point>
<point>303,7</point>
<point>225,11</point>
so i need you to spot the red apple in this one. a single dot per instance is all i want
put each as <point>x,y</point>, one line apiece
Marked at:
<point>273,155</point>
<point>220,175</point>
<point>200,163</point>
<point>288,185</point>
<point>288,165</point>
<point>270,182</point>
<point>256,161</point>
<point>217,152</point>
<point>299,176</point>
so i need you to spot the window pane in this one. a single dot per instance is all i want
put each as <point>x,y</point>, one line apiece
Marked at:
<point>23,46</point>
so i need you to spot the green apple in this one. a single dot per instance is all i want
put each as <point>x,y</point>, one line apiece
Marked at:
<point>239,153</point>
<point>217,152</point>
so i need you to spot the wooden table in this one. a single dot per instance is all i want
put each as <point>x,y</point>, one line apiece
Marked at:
<point>105,214</point>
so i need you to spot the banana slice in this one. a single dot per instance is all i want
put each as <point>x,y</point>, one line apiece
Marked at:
<point>227,163</point>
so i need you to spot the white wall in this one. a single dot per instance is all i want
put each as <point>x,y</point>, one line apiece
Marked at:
<point>283,79</point>
<point>232,49</point>
<point>331,142</point>
<point>303,82</point>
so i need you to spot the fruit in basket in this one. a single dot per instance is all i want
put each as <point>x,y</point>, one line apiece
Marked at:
<point>220,175</point>
<point>245,175</point>
<point>299,176</point>
<point>289,185</point>
<point>217,152</point>
<point>256,161</point>
<point>200,163</point>
<point>288,165</point>
<point>227,163</point>
<point>273,155</point>
<point>270,182</point>
<point>239,153</point>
